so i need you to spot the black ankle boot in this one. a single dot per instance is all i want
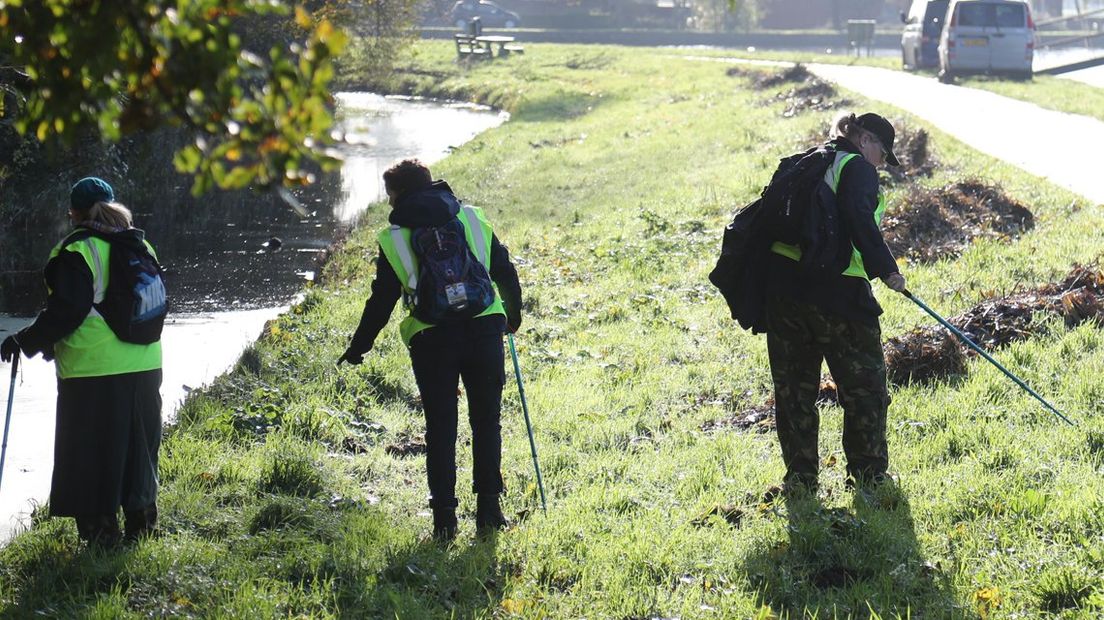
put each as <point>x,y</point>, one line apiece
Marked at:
<point>488,514</point>
<point>141,523</point>
<point>444,524</point>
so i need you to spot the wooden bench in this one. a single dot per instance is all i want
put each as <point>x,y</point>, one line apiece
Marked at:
<point>468,47</point>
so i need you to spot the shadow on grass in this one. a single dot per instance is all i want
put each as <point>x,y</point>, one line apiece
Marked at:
<point>431,580</point>
<point>852,561</point>
<point>49,573</point>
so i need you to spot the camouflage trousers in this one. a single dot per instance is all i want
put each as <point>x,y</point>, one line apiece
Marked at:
<point>799,337</point>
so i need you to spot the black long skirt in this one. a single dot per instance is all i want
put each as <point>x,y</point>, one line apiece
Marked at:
<point>105,447</point>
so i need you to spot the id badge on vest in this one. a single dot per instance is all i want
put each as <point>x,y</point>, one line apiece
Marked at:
<point>457,295</point>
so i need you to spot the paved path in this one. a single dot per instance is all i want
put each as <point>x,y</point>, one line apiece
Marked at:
<point>1063,148</point>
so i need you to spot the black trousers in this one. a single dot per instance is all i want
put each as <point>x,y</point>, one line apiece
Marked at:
<point>443,356</point>
<point>106,443</point>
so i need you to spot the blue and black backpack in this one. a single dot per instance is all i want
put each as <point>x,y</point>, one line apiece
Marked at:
<point>135,304</point>
<point>452,284</point>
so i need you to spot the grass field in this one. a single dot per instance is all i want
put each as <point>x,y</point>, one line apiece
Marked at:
<point>611,184</point>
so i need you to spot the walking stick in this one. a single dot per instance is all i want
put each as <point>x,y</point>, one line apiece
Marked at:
<point>7,418</point>
<point>528,424</point>
<point>970,343</point>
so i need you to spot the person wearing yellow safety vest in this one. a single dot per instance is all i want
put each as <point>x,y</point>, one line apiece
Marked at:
<point>441,355</point>
<point>834,318</point>
<point>108,429</point>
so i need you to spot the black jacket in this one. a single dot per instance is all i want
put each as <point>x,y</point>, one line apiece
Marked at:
<point>845,296</point>
<point>69,281</point>
<point>434,206</point>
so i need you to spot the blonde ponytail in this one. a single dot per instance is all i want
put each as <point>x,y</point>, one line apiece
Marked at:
<point>111,214</point>
<point>843,127</point>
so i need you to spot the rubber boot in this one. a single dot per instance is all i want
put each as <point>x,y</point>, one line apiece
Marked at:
<point>488,514</point>
<point>99,530</point>
<point>444,524</point>
<point>140,523</point>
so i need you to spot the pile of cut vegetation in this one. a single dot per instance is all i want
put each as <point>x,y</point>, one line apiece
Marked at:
<point>763,80</point>
<point>809,92</point>
<point>760,418</point>
<point>929,353</point>
<point>912,149</point>
<point>814,94</point>
<point>942,222</point>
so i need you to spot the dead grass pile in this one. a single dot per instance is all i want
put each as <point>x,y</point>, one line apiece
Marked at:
<point>911,147</point>
<point>760,418</point>
<point>813,94</point>
<point>809,92</point>
<point>930,353</point>
<point>940,223</point>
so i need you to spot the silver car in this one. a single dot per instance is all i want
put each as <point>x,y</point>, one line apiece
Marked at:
<point>987,36</point>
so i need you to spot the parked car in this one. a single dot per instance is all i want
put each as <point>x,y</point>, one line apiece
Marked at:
<point>489,14</point>
<point>987,36</point>
<point>920,38</point>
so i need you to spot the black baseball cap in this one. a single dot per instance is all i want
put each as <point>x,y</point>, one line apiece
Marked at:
<point>882,128</point>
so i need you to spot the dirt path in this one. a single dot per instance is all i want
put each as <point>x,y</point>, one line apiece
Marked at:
<point>1063,148</point>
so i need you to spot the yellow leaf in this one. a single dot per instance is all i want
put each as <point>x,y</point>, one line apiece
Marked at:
<point>512,606</point>
<point>43,128</point>
<point>302,17</point>
<point>986,600</point>
<point>233,154</point>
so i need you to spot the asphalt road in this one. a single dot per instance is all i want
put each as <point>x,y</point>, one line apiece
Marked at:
<point>1059,147</point>
<point>1063,148</point>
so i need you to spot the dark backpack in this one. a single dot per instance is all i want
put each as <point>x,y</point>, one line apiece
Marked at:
<point>795,208</point>
<point>801,211</point>
<point>740,273</point>
<point>135,304</point>
<point>452,284</point>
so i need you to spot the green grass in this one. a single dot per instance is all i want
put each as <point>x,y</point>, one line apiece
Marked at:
<point>611,184</point>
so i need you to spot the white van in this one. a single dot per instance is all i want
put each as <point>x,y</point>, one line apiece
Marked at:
<point>987,36</point>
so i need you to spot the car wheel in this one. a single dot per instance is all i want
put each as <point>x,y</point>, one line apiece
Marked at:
<point>461,24</point>
<point>510,24</point>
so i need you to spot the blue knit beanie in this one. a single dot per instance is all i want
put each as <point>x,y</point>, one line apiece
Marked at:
<point>88,191</point>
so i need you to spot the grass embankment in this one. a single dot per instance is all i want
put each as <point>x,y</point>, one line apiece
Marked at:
<point>611,184</point>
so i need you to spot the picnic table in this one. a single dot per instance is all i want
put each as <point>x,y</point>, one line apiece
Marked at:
<point>482,46</point>
<point>502,41</point>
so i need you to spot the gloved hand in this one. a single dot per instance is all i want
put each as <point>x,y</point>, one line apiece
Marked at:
<point>895,281</point>
<point>513,324</point>
<point>352,356</point>
<point>9,349</point>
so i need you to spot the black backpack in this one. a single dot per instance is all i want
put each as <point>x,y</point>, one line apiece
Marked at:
<point>452,284</point>
<point>796,208</point>
<point>801,211</point>
<point>740,273</point>
<point>135,304</point>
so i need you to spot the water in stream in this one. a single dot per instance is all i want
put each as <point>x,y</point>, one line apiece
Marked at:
<point>222,282</point>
